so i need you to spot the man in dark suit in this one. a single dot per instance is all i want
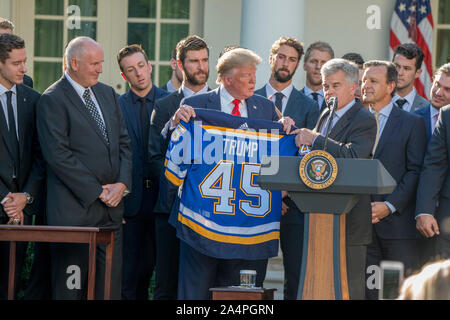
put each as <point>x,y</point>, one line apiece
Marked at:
<point>433,194</point>
<point>316,56</point>
<point>408,58</point>
<point>352,135</point>
<point>177,76</point>
<point>394,236</point>
<point>85,143</point>
<point>21,164</point>
<point>139,251</point>
<point>192,56</point>
<point>430,114</point>
<point>236,76</point>
<point>438,99</point>
<point>7,26</point>
<point>284,60</point>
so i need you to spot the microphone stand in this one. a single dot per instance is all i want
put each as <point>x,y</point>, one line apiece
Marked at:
<point>332,105</point>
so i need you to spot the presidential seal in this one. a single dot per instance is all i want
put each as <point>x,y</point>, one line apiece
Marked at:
<point>318,169</point>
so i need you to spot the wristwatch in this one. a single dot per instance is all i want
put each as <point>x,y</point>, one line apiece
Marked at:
<point>30,199</point>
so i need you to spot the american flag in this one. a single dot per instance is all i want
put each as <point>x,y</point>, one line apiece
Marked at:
<point>412,21</point>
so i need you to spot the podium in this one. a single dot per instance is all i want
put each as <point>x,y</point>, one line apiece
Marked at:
<point>324,266</point>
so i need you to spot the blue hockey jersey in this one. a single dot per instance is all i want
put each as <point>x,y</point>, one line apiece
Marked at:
<point>216,159</point>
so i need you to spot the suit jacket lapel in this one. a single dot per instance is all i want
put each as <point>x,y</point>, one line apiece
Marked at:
<point>391,126</point>
<point>322,118</point>
<point>22,115</point>
<point>292,103</point>
<point>214,100</point>
<point>103,103</point>
<point>4,131</point>
<point>252,108</point>
<point>344,121</point>
<point>79,104</point>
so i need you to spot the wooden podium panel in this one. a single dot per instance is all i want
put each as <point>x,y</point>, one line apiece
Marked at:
<point>324,269</point>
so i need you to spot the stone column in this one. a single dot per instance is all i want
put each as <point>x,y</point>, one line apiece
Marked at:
<point>263,22</point>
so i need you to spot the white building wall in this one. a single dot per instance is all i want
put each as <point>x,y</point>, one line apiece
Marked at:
<point>6,9</point>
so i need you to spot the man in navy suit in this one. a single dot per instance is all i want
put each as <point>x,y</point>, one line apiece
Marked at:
<point>193,60</point>
<point>394,236</point>
<point>432,199</point>
<point>408,58</point>
<point>438,99</point>
<point>139,228</point>
<point>236,76</point>
<point>284,60</point>
<point>316,56</point>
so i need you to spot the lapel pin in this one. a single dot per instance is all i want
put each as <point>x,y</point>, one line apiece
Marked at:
<point>254,107</point>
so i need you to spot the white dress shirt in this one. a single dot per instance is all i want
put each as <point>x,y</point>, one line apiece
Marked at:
<point>227,105</point>
<point>189,93</point>
<point>409,99</point>
<point>270,91</point>
<point>320,97</point>
<point>383,117</point>
<point>80,91</point>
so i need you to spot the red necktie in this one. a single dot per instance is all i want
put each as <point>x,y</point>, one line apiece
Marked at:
<point>235,111</point>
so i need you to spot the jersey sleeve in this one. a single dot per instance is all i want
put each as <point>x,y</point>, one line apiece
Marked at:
<point>179,154</point>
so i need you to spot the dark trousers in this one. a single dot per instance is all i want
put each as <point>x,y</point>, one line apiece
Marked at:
<point>356,271</point>
<point>403,250</point>
<point>139,250</point>
<point>21,249</point>
<point>291,241</point>
<point>68,259</point>
<point>39,285</point>
<point>167,259</point>
<point>198,273</point>
<point>442,247</point>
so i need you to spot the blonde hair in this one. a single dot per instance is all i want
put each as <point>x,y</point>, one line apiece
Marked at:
<point>236,58</point>
<point>431,283</point>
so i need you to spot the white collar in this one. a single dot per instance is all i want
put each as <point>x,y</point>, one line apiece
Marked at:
<point>189,93</point>
<point>3,89</point>
<point>270,91</point>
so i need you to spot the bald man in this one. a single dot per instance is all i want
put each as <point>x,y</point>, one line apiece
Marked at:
<point>85,143</point>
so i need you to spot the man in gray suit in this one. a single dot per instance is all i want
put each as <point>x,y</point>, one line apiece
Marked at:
<point>352,135</point>
<point>85,143</point>
<point>408,59</point>
<point>433,192</point>
<point>284,60</point>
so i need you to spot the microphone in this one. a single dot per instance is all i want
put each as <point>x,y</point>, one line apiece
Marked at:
<point>332,105</point>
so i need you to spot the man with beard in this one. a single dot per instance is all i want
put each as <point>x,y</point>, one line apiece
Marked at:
<point>193,61</point>
<point>408,59</point>
<point>177,76</point>
<point>433,194</point>
<point>316,56</point>
<point>284,60</point>
<point>139,228</point>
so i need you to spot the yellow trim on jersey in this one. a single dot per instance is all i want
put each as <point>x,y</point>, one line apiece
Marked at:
<point>173,178</point>
<point>274,235</point>
<point>246,132</point>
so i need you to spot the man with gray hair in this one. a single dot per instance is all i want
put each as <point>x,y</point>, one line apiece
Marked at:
<point>85,143</point>
<point>352,135</point>
<point>236,76</point>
